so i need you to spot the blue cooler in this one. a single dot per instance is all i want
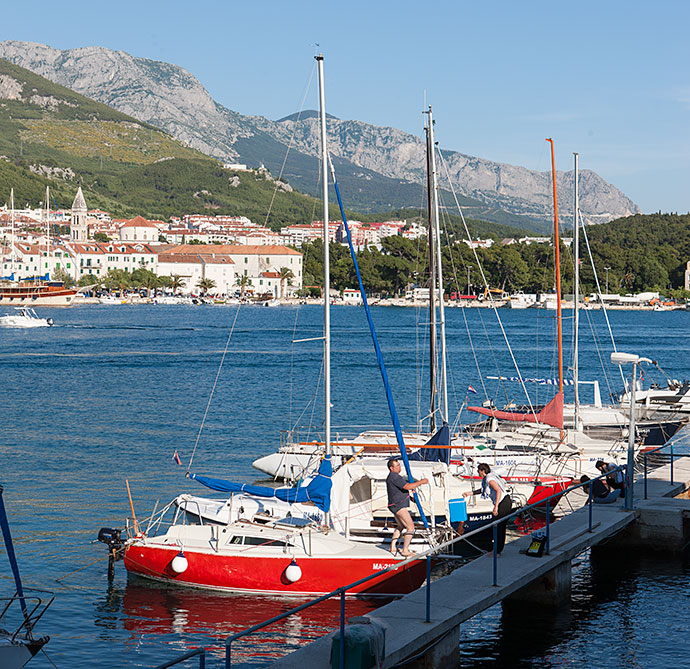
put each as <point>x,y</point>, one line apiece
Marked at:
<point>458,510</point>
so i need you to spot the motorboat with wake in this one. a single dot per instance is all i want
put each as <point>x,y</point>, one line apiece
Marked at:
<point>24,317</point>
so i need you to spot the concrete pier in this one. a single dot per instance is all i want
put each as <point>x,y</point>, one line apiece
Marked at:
<point>662,522</point>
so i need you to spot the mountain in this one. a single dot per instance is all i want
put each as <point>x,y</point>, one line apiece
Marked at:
<point>379,168</point>
<point>50,135</point>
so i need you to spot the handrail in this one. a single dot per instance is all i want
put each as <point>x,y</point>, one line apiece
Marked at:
<point>424,555</point>
<point>201,652</point>
<point>656,450</point>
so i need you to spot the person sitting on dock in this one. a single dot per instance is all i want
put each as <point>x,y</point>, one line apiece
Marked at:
<point>398,502</point>
<point>494,488</point>
<point>601,493</point>
<point>615,478</point>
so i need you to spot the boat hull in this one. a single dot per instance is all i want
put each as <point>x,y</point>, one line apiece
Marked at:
<point>36,295</point>
<point>266,575</point>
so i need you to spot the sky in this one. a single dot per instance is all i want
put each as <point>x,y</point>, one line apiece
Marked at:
<point>607,79</point>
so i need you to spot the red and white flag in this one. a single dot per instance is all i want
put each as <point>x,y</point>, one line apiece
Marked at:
<point>176,458</point>
<point>471,389</point>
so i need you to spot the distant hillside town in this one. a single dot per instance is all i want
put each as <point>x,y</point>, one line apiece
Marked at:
<point>228,251</point>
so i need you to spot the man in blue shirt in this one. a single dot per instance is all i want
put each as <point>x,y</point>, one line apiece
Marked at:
<point>398,502</point>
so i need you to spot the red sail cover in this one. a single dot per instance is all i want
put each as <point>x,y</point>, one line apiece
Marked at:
<point>551,414</point>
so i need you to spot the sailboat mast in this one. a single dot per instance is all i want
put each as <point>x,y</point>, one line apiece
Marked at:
<point>576,292</point>
<point>12,256</point>
<point>432,285</point>
<point>48,230</point>
<point>439,270</point>
<point>326,268</point>
<point>558,271</point>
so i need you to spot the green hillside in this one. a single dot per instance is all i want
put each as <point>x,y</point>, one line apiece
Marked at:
<point>50,135</point>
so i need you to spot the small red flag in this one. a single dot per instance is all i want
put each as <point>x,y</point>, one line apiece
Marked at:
<point>176,458</point>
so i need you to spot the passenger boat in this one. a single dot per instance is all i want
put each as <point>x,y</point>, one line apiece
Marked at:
<point>37,294</point>
<point>25,317</point>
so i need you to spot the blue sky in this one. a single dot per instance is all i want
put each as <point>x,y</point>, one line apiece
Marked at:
<point>608,79</point>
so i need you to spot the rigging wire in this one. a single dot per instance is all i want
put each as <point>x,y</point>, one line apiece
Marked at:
<point>486,284</point>
<point>292,138</point>
<point>213,390</point>
<point>603,306</point>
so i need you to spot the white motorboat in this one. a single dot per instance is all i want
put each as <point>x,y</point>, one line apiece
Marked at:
<point>25,317</point>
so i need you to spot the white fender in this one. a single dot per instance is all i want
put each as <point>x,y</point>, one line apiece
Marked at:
<point>179,564</point>
<point>293,573</point>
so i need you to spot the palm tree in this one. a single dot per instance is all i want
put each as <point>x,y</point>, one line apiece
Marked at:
<point>286,277</point>
<point>206,285</point>
<point>243,281</point>
<point>176,283</point>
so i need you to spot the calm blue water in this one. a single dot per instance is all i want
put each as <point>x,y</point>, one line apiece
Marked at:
<point>111,392</point>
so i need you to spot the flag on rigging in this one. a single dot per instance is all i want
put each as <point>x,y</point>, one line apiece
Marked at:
<point>176,458</point>
<point>471,389</point>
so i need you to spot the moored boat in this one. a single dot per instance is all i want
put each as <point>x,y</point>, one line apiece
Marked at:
<point>37,294</point>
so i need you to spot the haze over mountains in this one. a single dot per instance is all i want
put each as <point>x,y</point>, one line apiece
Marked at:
<point>379,168</point>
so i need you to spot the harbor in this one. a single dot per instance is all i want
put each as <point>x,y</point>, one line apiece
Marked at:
<point>121,389</point>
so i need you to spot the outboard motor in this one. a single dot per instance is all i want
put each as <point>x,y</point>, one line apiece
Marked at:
<point>112,538</point>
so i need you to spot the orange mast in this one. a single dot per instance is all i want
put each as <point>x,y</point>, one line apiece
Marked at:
<point>558,272</point>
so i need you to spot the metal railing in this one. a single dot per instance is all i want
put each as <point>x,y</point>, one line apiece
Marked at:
<point>427,555</point>
<point>657,450</point>
<point>201,652</point>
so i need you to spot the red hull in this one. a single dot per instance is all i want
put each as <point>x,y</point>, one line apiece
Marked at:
<point>239,573</point>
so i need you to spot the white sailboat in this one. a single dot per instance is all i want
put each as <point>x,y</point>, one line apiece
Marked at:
<point>275,555</point>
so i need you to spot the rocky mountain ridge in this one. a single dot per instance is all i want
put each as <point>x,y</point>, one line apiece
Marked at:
<point>379,168</point>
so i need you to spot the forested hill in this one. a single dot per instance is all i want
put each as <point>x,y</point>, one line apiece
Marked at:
<point>643,252</point>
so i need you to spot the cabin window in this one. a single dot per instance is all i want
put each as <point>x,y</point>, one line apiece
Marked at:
<point>260,541</point>
<point>235,540</point>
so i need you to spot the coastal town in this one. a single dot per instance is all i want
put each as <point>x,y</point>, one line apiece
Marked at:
<point>232,257</point>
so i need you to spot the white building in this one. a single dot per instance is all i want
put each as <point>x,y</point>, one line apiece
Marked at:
<point>139,230</point>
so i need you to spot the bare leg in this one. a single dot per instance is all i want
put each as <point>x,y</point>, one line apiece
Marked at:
<point>405,519</point>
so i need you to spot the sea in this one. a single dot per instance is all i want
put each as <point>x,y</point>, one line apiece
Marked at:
<point>109,394</point>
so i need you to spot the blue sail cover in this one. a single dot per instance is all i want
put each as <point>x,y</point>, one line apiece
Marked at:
<point>318,491</point>
<point>441,438</point>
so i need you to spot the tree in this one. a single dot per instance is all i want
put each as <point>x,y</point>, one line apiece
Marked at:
<point>243,281</point>
<point>206,284</point>
<point>177,283</point>
<point>145,278</point>
<point>101,237</point>
<point>286,277</point>
<point>87,280</point>
<point>61,275</point>
<point>117,279</point>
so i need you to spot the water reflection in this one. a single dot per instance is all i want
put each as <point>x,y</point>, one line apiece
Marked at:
<point>194,618</point>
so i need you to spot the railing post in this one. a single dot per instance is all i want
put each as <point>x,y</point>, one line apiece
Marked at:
<point>342,629</point>
<point>202,659</point>
<point>590,507</point>
<point>671,463</point>
<point>428,588</point>
<point>548,524</point>
<point>645,476</point>
<point>495,554</point>
<point>228,655</point>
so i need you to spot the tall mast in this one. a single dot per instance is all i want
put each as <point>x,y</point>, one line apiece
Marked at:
<point>326,270</point>
<point>558,271</point>
<point>432,286</point>
<point>439,270</point>
<point>12,256</point>
<point>576,293</point>
<point>48,229</point>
